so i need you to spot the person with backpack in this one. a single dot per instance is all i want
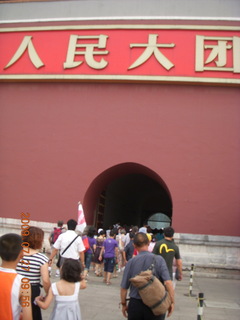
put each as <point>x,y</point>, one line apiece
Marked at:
<point>55,233</point>
<point>136,309</point>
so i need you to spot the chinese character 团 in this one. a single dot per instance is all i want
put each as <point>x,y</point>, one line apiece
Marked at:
<point>89,53</point>
<point>26,45</point>
<point>218,53</point>
<point>152,48</point>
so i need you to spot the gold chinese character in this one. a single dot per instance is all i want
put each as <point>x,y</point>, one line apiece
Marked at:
<point>89,53</point>
<point>152,49</point>
<point>26,45</point>
<point>218,53</point>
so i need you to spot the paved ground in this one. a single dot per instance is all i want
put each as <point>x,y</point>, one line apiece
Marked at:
<point>222,299</point>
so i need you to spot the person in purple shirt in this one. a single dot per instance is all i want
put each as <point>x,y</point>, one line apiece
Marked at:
<point>89,253</point>
<point>109,251</point>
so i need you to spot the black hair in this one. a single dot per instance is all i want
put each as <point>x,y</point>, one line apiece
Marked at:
<point>113,233</point>
<point>101,233</point>
<point>168,232</point>
<point>60,223</point>
<point>140,239</point>
<point>91,232</point>
<point>10,246</point>
<point>131,235</point>
<point>71,224</point>
<point>71,270</point>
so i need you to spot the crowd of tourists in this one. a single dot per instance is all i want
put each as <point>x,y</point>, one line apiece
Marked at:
<point>119,249</point>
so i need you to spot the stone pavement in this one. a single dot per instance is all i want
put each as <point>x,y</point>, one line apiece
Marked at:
<point>222,299</point>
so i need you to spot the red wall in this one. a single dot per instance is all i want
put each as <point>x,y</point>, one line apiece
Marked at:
<point>56,138</point>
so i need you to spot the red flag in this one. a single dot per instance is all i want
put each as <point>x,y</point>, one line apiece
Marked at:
<point>81,218</point>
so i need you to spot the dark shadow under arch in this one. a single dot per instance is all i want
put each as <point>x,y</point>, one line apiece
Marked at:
<point>128,193</point>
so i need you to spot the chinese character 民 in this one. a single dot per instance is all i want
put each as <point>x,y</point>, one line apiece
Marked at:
<point>218,53</point>
<point>152,49</point>
<point>89,51</point>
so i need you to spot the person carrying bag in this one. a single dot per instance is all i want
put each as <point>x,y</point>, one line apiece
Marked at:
<point>61,259</point>
<point>69,244</point>
<point>152,291</point>
<point>146,303</point>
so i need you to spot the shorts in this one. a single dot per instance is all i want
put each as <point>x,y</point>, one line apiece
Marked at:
<point>88,260</point>
<point>109,264</point>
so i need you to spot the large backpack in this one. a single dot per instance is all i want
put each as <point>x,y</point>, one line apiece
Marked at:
<point>56,233</point>
<point>152,291</point>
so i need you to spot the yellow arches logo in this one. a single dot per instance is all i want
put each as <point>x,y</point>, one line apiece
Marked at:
<point>166,248</point>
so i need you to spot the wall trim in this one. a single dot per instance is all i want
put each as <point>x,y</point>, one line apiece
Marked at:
<point>211,252</point>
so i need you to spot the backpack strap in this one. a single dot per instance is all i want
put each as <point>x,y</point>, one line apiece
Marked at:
<point>153,265</point>
<point>69,245</point>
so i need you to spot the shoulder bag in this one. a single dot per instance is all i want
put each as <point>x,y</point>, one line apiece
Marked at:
<point>152,291</point>
<point>60,255</point>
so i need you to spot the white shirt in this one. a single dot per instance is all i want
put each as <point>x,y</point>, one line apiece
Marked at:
<point>64,240</point>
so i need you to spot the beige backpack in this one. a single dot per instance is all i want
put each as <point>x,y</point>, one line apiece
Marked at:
<point>152,291</point>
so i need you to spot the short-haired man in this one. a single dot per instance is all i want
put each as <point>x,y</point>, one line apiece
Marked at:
<point>13,292</point>
<point>169,250</point>
<point>75,250</point>
<point>136,309</point>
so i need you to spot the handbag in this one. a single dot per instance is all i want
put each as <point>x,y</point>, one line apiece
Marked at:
<point>86,243</point>
<point>58,264</point>
<point>152,291</point>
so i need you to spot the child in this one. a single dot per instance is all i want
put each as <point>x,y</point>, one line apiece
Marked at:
<point>66,292</point>
<point>15,295</point>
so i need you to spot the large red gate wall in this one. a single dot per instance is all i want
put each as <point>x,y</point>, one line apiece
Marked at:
<point>57,137</point>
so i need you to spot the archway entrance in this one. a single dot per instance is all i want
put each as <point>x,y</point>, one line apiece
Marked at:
<point>130,194</point>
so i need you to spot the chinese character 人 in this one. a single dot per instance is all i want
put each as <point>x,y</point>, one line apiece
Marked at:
<point>26,44</point>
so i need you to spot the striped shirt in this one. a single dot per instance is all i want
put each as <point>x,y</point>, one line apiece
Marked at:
<point>30,266</point>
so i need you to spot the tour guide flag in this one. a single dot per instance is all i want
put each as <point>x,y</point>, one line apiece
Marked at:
<point>81,218</point>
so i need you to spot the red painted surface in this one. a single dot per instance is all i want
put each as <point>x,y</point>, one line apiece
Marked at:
<point>52,47</point>
<point>57,138</point>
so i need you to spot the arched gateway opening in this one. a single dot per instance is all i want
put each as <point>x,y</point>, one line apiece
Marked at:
<point>128,193</point>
